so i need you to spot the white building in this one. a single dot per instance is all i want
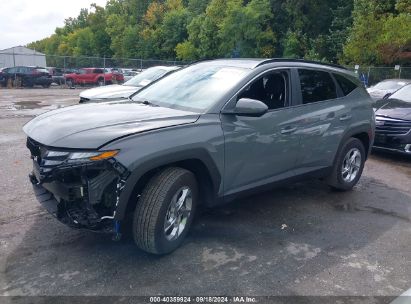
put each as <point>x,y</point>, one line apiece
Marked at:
<point>20,55</point>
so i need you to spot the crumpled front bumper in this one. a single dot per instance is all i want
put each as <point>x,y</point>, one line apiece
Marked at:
<point>83,196</point>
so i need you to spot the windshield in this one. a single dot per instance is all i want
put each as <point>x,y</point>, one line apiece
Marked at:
<point>403,94</point>
<point>195,88</point>
<point>390,85</point>
<point>42,70</point>
<point>144,78</point>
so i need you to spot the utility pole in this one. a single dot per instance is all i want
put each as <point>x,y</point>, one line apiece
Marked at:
<point>14,59</point>
<point>104,69</point>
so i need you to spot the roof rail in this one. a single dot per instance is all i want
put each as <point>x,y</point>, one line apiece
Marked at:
<point>300,60</point>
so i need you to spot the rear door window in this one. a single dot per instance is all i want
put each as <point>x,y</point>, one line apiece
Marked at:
<point>316,86</point>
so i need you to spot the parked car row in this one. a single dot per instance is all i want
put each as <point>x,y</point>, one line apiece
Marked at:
<point>28,76</point>
<point>128,88</point>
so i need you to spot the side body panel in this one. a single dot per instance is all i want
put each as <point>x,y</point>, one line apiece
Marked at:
<point>323,127</point>
<point>257,151</point>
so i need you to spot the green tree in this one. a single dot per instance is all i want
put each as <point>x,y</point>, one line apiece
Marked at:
<point>246,29</point>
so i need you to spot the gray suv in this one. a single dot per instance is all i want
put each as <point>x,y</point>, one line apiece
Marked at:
<point>204,135</point>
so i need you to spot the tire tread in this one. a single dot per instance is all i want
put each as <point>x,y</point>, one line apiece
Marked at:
<point>149,205</point>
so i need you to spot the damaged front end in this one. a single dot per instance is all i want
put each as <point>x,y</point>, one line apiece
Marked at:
<point>81,188</point>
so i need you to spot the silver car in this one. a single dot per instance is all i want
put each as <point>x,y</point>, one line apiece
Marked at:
<point>130,87</point>
<point>202,136</point>
<point>387,87</point>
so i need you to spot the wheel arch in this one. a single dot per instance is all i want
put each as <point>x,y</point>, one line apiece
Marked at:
<point>363,133</point>
<point>202,166</point>
<point>365,139</point>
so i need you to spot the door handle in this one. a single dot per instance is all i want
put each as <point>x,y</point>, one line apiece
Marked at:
<point>288,130</point>
<point>331,115</point>
<point>345,117</point>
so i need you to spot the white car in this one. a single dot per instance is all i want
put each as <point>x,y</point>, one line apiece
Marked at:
<point>130,87</point>
<point>387,87</point>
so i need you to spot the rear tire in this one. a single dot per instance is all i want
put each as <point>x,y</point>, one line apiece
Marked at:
<point>348,165</point>
<point>100,82</point>
<point>165,211</point>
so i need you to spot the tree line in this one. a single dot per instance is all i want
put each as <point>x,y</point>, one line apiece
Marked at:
<point>371,32</point>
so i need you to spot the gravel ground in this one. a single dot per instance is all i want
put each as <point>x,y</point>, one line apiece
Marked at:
<point>303,239</point>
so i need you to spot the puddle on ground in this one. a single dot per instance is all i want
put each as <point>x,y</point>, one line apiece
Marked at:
<point>347,207</point>
<point>28,105</point>
<point>388,213</point>
<point>27,108</point>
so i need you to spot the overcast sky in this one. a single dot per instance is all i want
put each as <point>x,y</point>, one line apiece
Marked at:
<point>24,21</point>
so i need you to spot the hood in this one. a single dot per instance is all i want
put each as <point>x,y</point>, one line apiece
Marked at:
<point>109,92</point>
<point>393,108</point>
<point>378,94</point>
<point>90,126</point>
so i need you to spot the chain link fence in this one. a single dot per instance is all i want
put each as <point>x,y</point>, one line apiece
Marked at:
<point>76,62</point>
<point>372,75</point>
<point>67,64</point>
<point>60,65</point>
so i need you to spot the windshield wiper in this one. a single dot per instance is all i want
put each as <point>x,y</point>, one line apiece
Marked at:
<point>145,102</point>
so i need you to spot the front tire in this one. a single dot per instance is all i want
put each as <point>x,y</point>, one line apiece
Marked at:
<point>348,166</point>
<point>165,211</point>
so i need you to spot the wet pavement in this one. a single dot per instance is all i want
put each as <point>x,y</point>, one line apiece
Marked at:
<point>303,239</point>
<point>31,102</point>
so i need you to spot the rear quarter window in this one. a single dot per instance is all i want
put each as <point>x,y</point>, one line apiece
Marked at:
<point>346,85</point>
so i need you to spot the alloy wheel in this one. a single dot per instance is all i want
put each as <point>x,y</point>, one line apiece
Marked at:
<point>178,213</point>
<point>351,165</point>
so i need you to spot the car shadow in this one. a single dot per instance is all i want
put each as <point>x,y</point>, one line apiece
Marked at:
<point>281,242</point>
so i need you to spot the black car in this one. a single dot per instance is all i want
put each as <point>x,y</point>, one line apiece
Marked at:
<point>27,76</point>
<point>393,122</point>
<point>57,75</point>
<point>2,78</point>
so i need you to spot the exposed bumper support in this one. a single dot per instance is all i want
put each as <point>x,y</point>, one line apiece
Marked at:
<point>84,197</point>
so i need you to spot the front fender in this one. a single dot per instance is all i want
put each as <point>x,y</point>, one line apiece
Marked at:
<point>158,162</point>
<point>202,141</point>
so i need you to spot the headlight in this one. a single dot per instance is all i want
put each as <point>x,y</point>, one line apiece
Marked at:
<point>92,156</point>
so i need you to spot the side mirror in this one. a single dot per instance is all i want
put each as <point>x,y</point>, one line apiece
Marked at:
<point>248,107</point>
<point>387,96</point>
